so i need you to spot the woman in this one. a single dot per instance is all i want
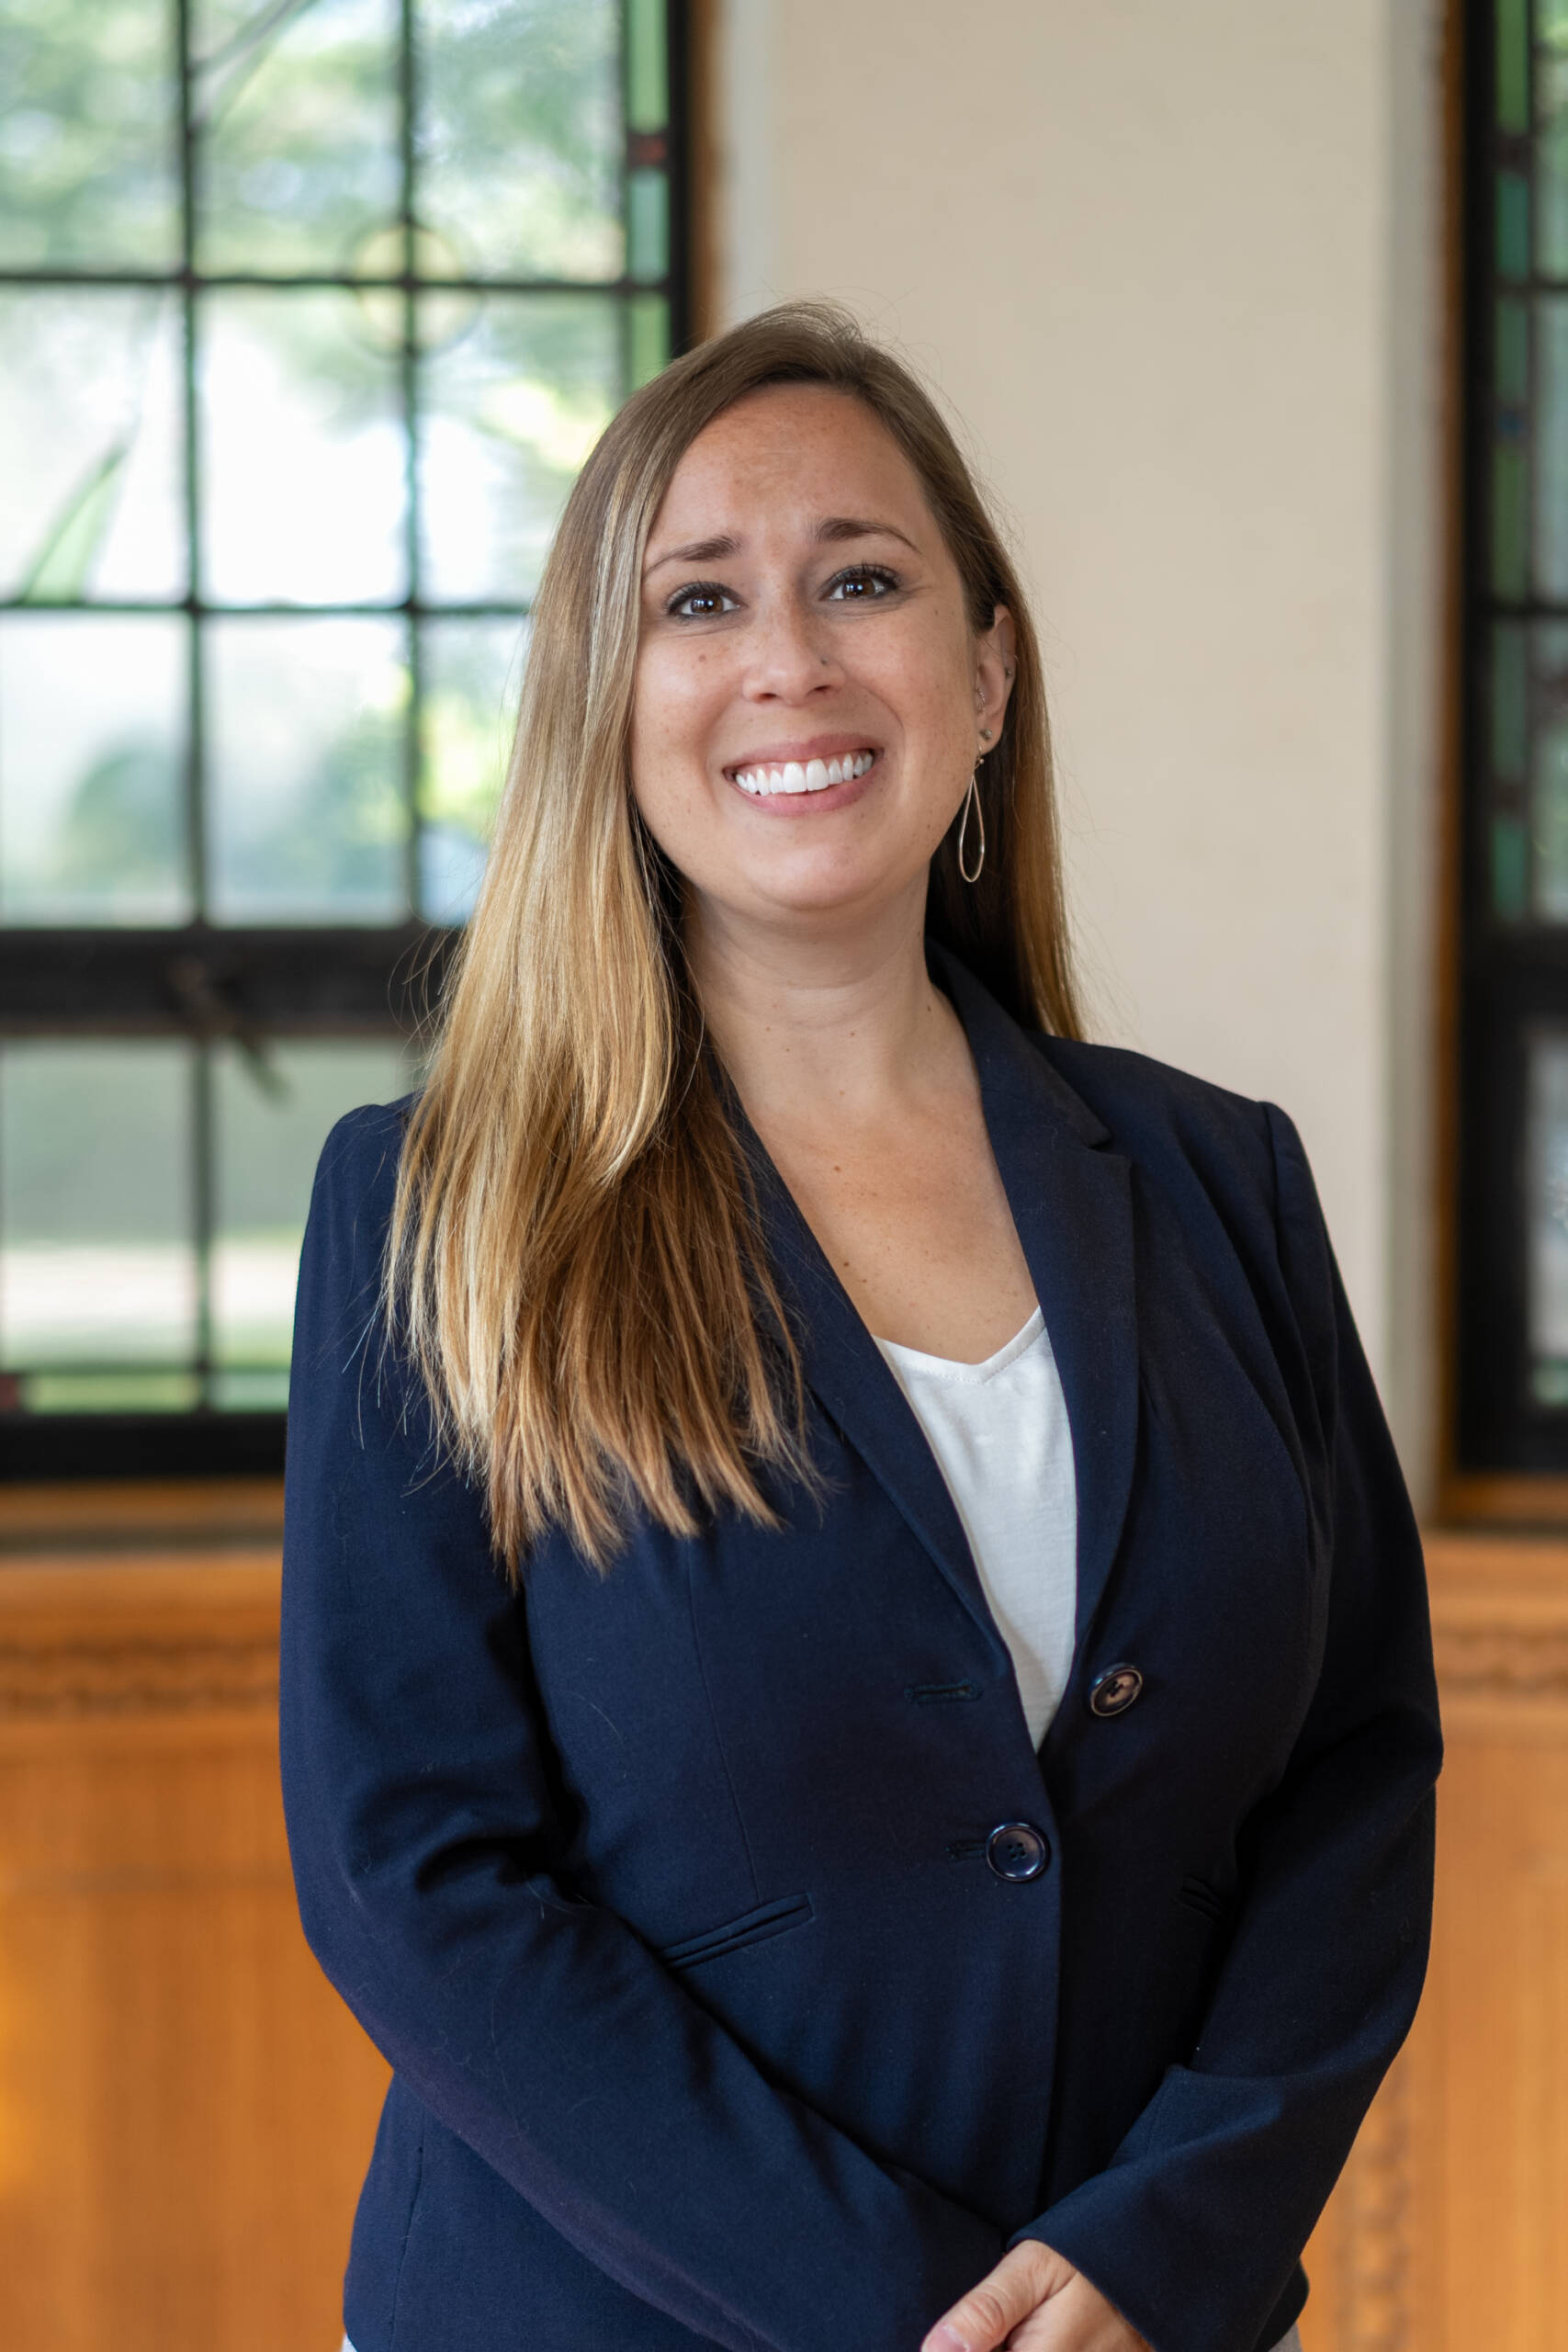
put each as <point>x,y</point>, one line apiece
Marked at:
<point>858,1714</point>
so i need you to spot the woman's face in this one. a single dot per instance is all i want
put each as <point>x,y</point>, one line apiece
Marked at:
<point>810,696</point>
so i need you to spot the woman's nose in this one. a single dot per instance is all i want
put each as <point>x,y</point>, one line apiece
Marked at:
<point>790,654</point>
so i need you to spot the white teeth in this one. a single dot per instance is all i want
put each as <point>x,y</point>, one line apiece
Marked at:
<point>814,776</point>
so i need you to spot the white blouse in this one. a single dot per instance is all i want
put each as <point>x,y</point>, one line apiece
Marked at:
<point>1000,1432</point>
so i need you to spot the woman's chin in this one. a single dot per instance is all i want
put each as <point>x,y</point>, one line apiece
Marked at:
<point>818,902</point>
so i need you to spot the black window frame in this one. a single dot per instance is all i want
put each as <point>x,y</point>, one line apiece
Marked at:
<point>208,984</point>
<point>1512,973</point>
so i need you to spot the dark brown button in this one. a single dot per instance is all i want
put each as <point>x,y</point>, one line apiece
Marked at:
<point>1116,1691</point>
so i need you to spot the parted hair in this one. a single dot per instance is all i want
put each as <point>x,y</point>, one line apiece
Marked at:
<point>576,1265</point>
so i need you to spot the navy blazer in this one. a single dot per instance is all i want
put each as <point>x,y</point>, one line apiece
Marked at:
<point>668,1897</point>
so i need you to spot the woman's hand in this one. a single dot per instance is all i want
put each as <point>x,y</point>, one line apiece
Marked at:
<point>1033,2301</point>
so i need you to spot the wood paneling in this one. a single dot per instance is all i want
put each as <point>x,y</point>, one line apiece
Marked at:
<point>1447,2233</point>
<point>185,2108</point>
<point>123,1515</point>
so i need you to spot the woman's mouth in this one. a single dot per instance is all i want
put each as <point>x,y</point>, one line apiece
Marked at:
<point>764,781</point>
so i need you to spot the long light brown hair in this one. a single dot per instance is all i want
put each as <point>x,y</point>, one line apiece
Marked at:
<point>576,1265</point>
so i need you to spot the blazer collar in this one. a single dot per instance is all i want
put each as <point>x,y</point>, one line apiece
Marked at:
<point>1071,1203</point>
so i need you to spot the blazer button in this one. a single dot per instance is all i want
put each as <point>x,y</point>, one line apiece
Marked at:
<point>1115,1690</point>
<point>1016,1850</point>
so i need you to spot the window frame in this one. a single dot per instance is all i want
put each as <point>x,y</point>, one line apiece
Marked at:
<point>1503,1457</point>
<point>207,983</point>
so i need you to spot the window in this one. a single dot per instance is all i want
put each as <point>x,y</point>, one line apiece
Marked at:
<point>1513,1383</point>
<point>310,309</point>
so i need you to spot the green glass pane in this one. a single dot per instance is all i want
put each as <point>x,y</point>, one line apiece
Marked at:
<point>1513,352</point>
<point>1513,225</point>
<point>1550,167</point>
<point>509,412</point>
<point>308,725</point>
<point>89,135</point>
<point>1546,1154</point>
<point>1510,703</point>
<point>471,672</point>
<point>648,224</point>
<point>248,1391</point>
<point>1513,65</point>
<point>648,337</point>
<point>304,452</point>
<point>90,443</point>
<point>268,1127</point>
<point>110,1392</point>
<point>1550,488</point>
<point>97,1267</point>
<point>1510,524</point>
<point>648,73</point>
<point>297,112</point>
<point>1551,23</point>
<point>519,134</point>
<point>93,768</point>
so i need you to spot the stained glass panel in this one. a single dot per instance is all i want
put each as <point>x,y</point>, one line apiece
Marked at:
<point>470,673</point>
<point>299,117</point>
<point>308,819</point>
<point>92,743</point>
<point>89,135</point>
<point>91,452</point>
<point>99,1288</point>
<point>270,1116</point>
<point>648,337</point>
<point>1547,1215</point>
<point>304,450</point>
<point>509,410</point>
<point>1513,65</point>
<point>519,135</point>
<point>1510,701</point>
<point>1551,175</point>
<point>280,483</point>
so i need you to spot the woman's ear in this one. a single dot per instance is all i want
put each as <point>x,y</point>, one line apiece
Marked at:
<point>995,659</point>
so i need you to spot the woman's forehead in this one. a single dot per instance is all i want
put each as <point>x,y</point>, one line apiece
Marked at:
<point>793,455</point>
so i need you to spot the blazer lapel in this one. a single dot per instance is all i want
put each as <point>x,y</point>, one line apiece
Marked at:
<point>1071,1203</point>
<point>851,1378</point>
<point>1071,1200</point>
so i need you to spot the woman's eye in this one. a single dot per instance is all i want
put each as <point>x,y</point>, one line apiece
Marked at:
<point>703,602</point>
<point>862,582</point>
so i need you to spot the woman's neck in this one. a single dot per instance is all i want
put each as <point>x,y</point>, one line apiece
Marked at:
<point>805,1026</point>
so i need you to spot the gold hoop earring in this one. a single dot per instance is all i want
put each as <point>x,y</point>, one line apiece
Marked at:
<point>972,800</point>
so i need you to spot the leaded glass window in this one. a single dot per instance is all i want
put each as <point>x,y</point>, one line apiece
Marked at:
<point>309,310</point>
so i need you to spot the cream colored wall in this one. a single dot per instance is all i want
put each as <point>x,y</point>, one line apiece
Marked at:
<point>1175,266</point>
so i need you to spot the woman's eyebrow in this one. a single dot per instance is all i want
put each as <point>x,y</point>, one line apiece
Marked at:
<point>855,526</point>
<point>711,550</point>
<point>832,527</point>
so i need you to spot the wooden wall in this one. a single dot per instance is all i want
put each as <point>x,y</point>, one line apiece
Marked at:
<point>1449,2230</point>
<point>185,2108</point>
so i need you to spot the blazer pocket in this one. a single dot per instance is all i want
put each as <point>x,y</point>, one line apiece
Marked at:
<point>1199,1895</point>
<point>751,1927</point>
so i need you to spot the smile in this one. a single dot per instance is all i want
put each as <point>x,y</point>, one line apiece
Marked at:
<point>809,776</point>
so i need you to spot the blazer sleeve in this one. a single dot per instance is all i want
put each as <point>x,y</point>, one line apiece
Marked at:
<point>533,2023</point>
<point>1194,2228</point>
